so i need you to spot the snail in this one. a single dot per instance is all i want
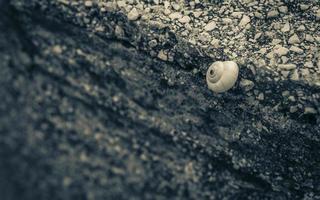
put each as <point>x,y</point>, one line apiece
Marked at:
<point>221,76</point>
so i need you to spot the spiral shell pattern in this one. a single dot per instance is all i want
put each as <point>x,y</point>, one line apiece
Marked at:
<point>221,76</point>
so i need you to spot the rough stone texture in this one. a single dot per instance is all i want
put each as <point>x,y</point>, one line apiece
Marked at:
<point>87,113</point>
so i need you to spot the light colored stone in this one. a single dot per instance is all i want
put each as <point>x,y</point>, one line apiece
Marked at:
<point>301,28</point>
<point>284,59</point>
<point>162,55</point>
<point>272,14</point>
<point>176,6</point>
<point>292,98</point>
<point>215,43</point>
<point>305,72</point>
<point>281,51</point>
<point>197,14</point>
<point>296,49</point>
<point>261,63</point>
<point>258,15</point>
<point>257,36</point>
<point>318,13</point>
<point>133,14</point>
<point>57,49</point>
<point>262,50</point>
<point>167,12</point>
<point>304,7</point>
<point>286,27</point>
<point>309,38</point>
<point>88,4</point>
<point>244,21</point>
<point>287,66</point>
<point>309,64</point>
<point>286,93</point>
<point>310,110</point>
<point>121,4</point>
<point>210,26</point>
<point>227,21</point>
<point>184,19</point>
<point>270,55</point>
<point>283,9</point>
<point>276,41</point>
<point>294,39</point>
<point>175,15</point>
<point>260,97</point>
<point>285,74</point>
<point>237,15</point>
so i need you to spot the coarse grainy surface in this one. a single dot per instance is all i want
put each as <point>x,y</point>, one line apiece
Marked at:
<point>108,100</point>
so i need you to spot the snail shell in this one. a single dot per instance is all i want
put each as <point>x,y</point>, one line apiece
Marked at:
<point>221,76</point>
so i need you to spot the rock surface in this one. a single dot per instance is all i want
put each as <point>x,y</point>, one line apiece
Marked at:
<point>107,99</point>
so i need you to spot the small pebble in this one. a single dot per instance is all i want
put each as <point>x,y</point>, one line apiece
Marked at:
<point>283,9</point>
<point>185,19</point>
<point>310,110</point>
<point>296,49</point>
<point>210,26</point>
<point>272,14</point>
<point>281,51</point>
<point>244,21</point>
<point>287,66</point>
<point>286,27</point>
<point>294,39</point>
<point>88,4</point>
<point>175,15</point>
<point>133,14</point>
<point>246,84</point>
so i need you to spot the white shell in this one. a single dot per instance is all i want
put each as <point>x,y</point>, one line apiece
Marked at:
<point>221,76</point>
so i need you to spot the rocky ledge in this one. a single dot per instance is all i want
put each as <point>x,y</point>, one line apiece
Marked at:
<point>108,99</point>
